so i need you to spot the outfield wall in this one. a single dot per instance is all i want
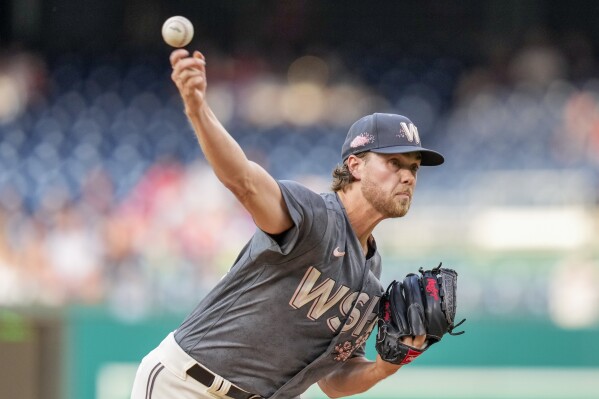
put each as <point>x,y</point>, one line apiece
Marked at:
<point>496,358</point>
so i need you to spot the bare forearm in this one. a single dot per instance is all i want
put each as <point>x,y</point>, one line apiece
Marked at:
<point>356,376</point>
<point>222,152</point>
<point>256,190</point>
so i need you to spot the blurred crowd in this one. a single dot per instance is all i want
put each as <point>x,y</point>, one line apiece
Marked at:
<point>105,198</point>
<point>161,247</point>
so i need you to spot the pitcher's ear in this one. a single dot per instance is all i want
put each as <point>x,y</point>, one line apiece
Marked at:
<point>354,165</point>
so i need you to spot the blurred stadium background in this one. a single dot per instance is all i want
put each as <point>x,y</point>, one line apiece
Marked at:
<point>112,227</point>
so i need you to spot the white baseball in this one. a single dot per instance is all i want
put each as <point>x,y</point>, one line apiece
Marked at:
<point>177,31</point>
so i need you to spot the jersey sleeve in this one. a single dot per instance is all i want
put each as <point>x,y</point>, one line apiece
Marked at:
<point>308,212</point>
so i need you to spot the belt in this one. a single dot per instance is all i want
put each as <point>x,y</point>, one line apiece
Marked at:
<point>206,377</point>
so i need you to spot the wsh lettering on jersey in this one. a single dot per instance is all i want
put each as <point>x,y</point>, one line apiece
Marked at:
<point>323,295</point>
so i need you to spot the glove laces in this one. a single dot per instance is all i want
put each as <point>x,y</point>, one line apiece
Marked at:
<point>452,326</point>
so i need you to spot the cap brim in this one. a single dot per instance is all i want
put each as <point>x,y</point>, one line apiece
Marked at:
<point>429,157</point>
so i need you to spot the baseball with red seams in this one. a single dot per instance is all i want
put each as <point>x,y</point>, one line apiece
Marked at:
<point>177,31</point>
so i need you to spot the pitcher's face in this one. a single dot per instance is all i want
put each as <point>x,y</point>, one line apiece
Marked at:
<point>388,182</point>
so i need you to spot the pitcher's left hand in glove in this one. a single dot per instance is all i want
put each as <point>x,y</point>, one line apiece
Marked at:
<point>421,305</point>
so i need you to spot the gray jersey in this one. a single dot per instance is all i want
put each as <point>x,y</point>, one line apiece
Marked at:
<point>290,310</point>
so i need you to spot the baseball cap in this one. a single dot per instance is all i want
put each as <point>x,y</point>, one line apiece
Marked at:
<point>387,134</point>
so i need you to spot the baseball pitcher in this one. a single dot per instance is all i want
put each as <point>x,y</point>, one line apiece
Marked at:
<point>304,294</point>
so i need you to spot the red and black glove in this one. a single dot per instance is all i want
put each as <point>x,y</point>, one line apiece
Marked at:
<point>421,305</point>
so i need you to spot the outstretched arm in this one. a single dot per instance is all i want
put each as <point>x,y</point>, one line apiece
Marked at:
<point>257,191</point>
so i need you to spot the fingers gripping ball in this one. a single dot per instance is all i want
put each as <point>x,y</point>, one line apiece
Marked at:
<point>177,31</point>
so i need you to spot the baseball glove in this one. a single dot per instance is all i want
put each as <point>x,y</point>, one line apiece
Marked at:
<point>422,305</point>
